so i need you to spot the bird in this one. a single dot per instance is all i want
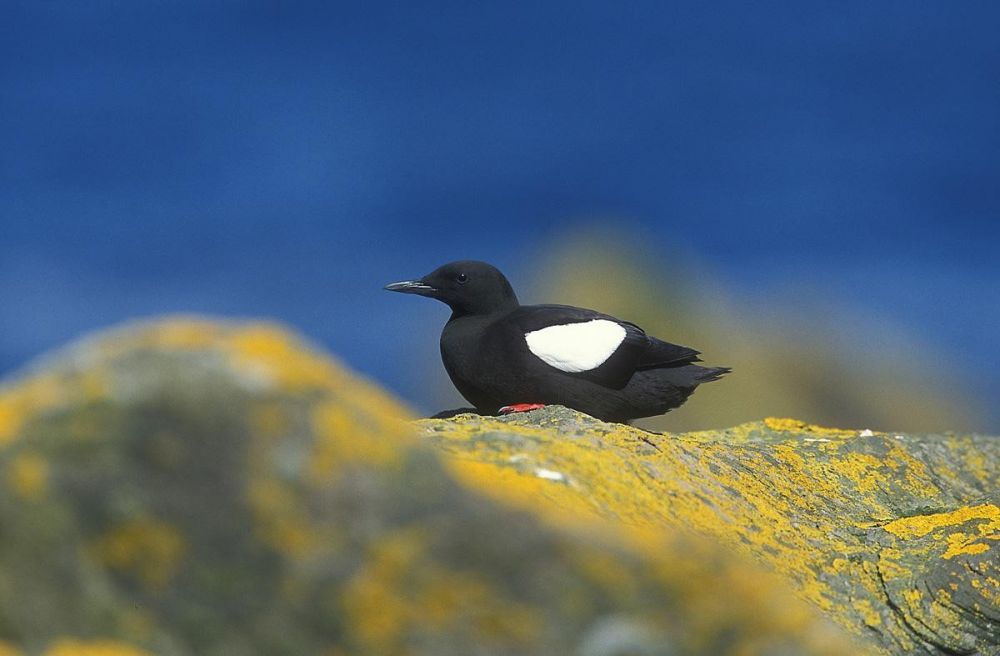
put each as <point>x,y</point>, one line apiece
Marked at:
<point>504,357</point>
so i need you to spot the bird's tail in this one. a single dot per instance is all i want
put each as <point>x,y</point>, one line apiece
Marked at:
<point>691,376</point>
<point>708,374</point>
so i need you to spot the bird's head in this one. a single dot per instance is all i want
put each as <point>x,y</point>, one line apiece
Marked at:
<point>467,287</point>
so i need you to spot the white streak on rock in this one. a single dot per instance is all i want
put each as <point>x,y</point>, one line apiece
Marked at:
<point>550,475</point>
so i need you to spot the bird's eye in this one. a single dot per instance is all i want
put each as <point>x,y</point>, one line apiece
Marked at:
<point>462,278</point>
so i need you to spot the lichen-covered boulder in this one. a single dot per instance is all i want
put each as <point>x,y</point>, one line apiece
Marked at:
<point>190,487</point>
<point>895,537</point>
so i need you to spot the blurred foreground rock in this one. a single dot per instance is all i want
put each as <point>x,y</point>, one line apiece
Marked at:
<point>188,487</point>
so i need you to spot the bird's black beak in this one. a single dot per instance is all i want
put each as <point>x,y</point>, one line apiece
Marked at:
<point>412,287</point>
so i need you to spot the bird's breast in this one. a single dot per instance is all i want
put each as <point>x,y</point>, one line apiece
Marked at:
<point>479,359</point>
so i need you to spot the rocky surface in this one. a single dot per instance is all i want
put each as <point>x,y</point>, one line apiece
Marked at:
<point>895,537</point>
<point>192,487</point>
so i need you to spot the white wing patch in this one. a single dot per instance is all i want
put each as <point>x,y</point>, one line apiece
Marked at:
<point>575,347</point>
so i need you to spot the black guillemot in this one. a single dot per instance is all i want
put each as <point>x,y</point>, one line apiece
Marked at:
<point>507,357</point>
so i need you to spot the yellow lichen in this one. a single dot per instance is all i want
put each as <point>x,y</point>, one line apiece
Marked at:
<point>373,601</point>
<point>913,596</point>
<point>146,548</point>
<point>769,499</point>
<point>43,393</point>
<point>961,543</point>
<point>913,471</point>
<point>975,462</point>
<point>638,501</point>
<point>279,520</point>
<point>269,351</point>
<point>138,623</point>
<point>32,396</point>
<point>799,426</point>
<point>918,526</point>
<point>94,385</point>
<point>793,500</point>
<point>340,439</point>
<point>617,582</point>
<point>181,334</point>
<point>522,488</point>
<point>175,333</point>
<point>863,470</point>
<point>11,419</point>
<point>72,647</point>
<point>7,649</point>
<point>27,476</point>
<point>402,591</point>
<point>889,564</point>
<point>867,612</point>
<point>269,419</point>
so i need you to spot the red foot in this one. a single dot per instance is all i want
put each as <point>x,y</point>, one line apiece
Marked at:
<point>520,407</point>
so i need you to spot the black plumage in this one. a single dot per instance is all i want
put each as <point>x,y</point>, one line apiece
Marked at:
<point>602,366</point>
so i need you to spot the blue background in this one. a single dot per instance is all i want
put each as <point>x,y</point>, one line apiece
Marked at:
<point>287,159</point>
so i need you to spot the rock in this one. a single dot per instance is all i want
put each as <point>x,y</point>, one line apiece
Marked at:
<point>194,487</point>
<point>895,537</point>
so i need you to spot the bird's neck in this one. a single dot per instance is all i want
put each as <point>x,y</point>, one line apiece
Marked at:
<point>495,312</point>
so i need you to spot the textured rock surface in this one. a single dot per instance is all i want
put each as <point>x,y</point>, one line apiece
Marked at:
<point>894,536</point>
<point>188,487</point>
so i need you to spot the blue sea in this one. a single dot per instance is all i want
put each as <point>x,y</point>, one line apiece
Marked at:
<point>287,159</point>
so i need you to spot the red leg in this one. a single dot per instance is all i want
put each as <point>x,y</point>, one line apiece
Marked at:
<point>520,407</point>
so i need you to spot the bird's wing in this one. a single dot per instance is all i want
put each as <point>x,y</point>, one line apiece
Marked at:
<point>664,354</point>
<point>583,342</point>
